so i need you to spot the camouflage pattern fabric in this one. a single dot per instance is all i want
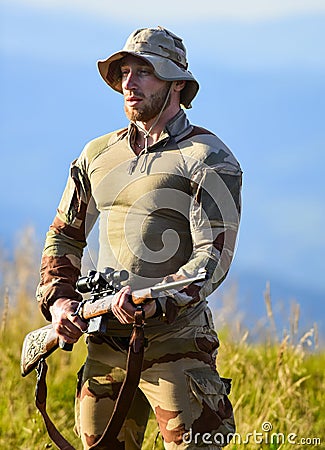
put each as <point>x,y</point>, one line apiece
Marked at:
<point>165,213</point>
<point>179,382</point>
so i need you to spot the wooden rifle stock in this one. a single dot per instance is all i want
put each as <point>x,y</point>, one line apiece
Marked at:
<point>40,343</point>
<point>37,344</point>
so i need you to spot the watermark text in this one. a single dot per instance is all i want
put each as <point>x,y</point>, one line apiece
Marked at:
<point>265,436</point>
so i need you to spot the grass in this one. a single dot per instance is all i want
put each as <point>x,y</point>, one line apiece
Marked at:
<point>277,383</point>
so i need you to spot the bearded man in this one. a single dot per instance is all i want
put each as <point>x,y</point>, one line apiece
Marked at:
<point>167,194</point>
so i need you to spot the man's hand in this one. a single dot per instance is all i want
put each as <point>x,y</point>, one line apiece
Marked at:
<point>68,327</point>
<point>124,309</point>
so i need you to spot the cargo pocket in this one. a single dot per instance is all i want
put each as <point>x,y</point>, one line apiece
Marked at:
<point>206,340</point>
<point>212,410</point>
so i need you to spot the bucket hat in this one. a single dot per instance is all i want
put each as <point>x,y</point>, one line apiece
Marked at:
<point>163,50</point>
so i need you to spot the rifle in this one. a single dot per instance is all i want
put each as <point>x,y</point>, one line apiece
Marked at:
<point>102,286</point>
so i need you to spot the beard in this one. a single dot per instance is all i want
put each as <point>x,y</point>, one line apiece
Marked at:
<point>152,107</point>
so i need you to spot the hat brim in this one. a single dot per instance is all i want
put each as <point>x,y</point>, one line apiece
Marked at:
<point>164,69</point>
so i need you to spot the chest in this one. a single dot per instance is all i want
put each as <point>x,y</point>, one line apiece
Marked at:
<point>157,180</point>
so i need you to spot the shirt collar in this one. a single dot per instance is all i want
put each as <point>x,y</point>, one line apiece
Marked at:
<point>176,128</point>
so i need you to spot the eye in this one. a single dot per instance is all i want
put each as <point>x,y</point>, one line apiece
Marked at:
<point>124,73</point>
<point>144,72</point>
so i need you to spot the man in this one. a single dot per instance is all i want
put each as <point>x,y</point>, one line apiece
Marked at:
<point>168,197</point>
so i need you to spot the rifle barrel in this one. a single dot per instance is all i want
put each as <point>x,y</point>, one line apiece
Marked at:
<point>176,284</point>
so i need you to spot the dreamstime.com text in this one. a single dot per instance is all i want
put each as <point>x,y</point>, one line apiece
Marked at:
<point>266,436</point>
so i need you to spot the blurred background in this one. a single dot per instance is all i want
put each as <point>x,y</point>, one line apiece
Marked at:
<point>261,70</point>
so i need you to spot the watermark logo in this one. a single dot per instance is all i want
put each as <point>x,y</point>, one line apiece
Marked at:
<point>267,426</point>
<point>263,436</point>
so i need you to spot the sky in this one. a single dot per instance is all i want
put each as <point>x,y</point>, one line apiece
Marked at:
<point>261,70</point>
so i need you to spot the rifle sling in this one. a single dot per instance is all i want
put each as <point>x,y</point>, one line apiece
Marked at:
<point>122,404</point>
<point>40,400</point>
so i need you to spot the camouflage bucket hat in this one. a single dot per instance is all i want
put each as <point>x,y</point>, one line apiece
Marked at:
<point>163,50</point>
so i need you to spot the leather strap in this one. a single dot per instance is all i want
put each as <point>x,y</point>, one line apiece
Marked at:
<point>122,404</point>
<point>40,400</point>
<point>128,388</point>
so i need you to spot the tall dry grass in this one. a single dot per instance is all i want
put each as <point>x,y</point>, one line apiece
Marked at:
<point>278,382</point>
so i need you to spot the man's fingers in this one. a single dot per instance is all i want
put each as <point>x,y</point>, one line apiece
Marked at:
<point>68,326</point>
<point>77,322</point>
<point>122,308</point>
<point>68,330</point>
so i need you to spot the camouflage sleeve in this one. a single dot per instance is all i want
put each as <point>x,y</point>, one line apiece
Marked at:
<point>214,221</point>
<point>65,241</point>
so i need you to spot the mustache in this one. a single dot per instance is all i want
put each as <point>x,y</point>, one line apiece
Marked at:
<point>134,93</point>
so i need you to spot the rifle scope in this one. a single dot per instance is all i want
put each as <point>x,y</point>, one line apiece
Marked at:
<point>109,279</point>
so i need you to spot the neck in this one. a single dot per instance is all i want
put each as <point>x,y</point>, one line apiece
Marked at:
<point>153,127</point>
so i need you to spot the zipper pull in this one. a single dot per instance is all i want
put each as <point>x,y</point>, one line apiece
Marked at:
<point>132,165</point>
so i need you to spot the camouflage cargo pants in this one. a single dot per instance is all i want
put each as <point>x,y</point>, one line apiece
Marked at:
<point>179,383</point>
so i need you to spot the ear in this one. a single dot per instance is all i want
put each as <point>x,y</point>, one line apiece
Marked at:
<point>179,85</point>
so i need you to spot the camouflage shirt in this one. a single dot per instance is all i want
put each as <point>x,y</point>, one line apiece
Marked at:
<point>163,215</point>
